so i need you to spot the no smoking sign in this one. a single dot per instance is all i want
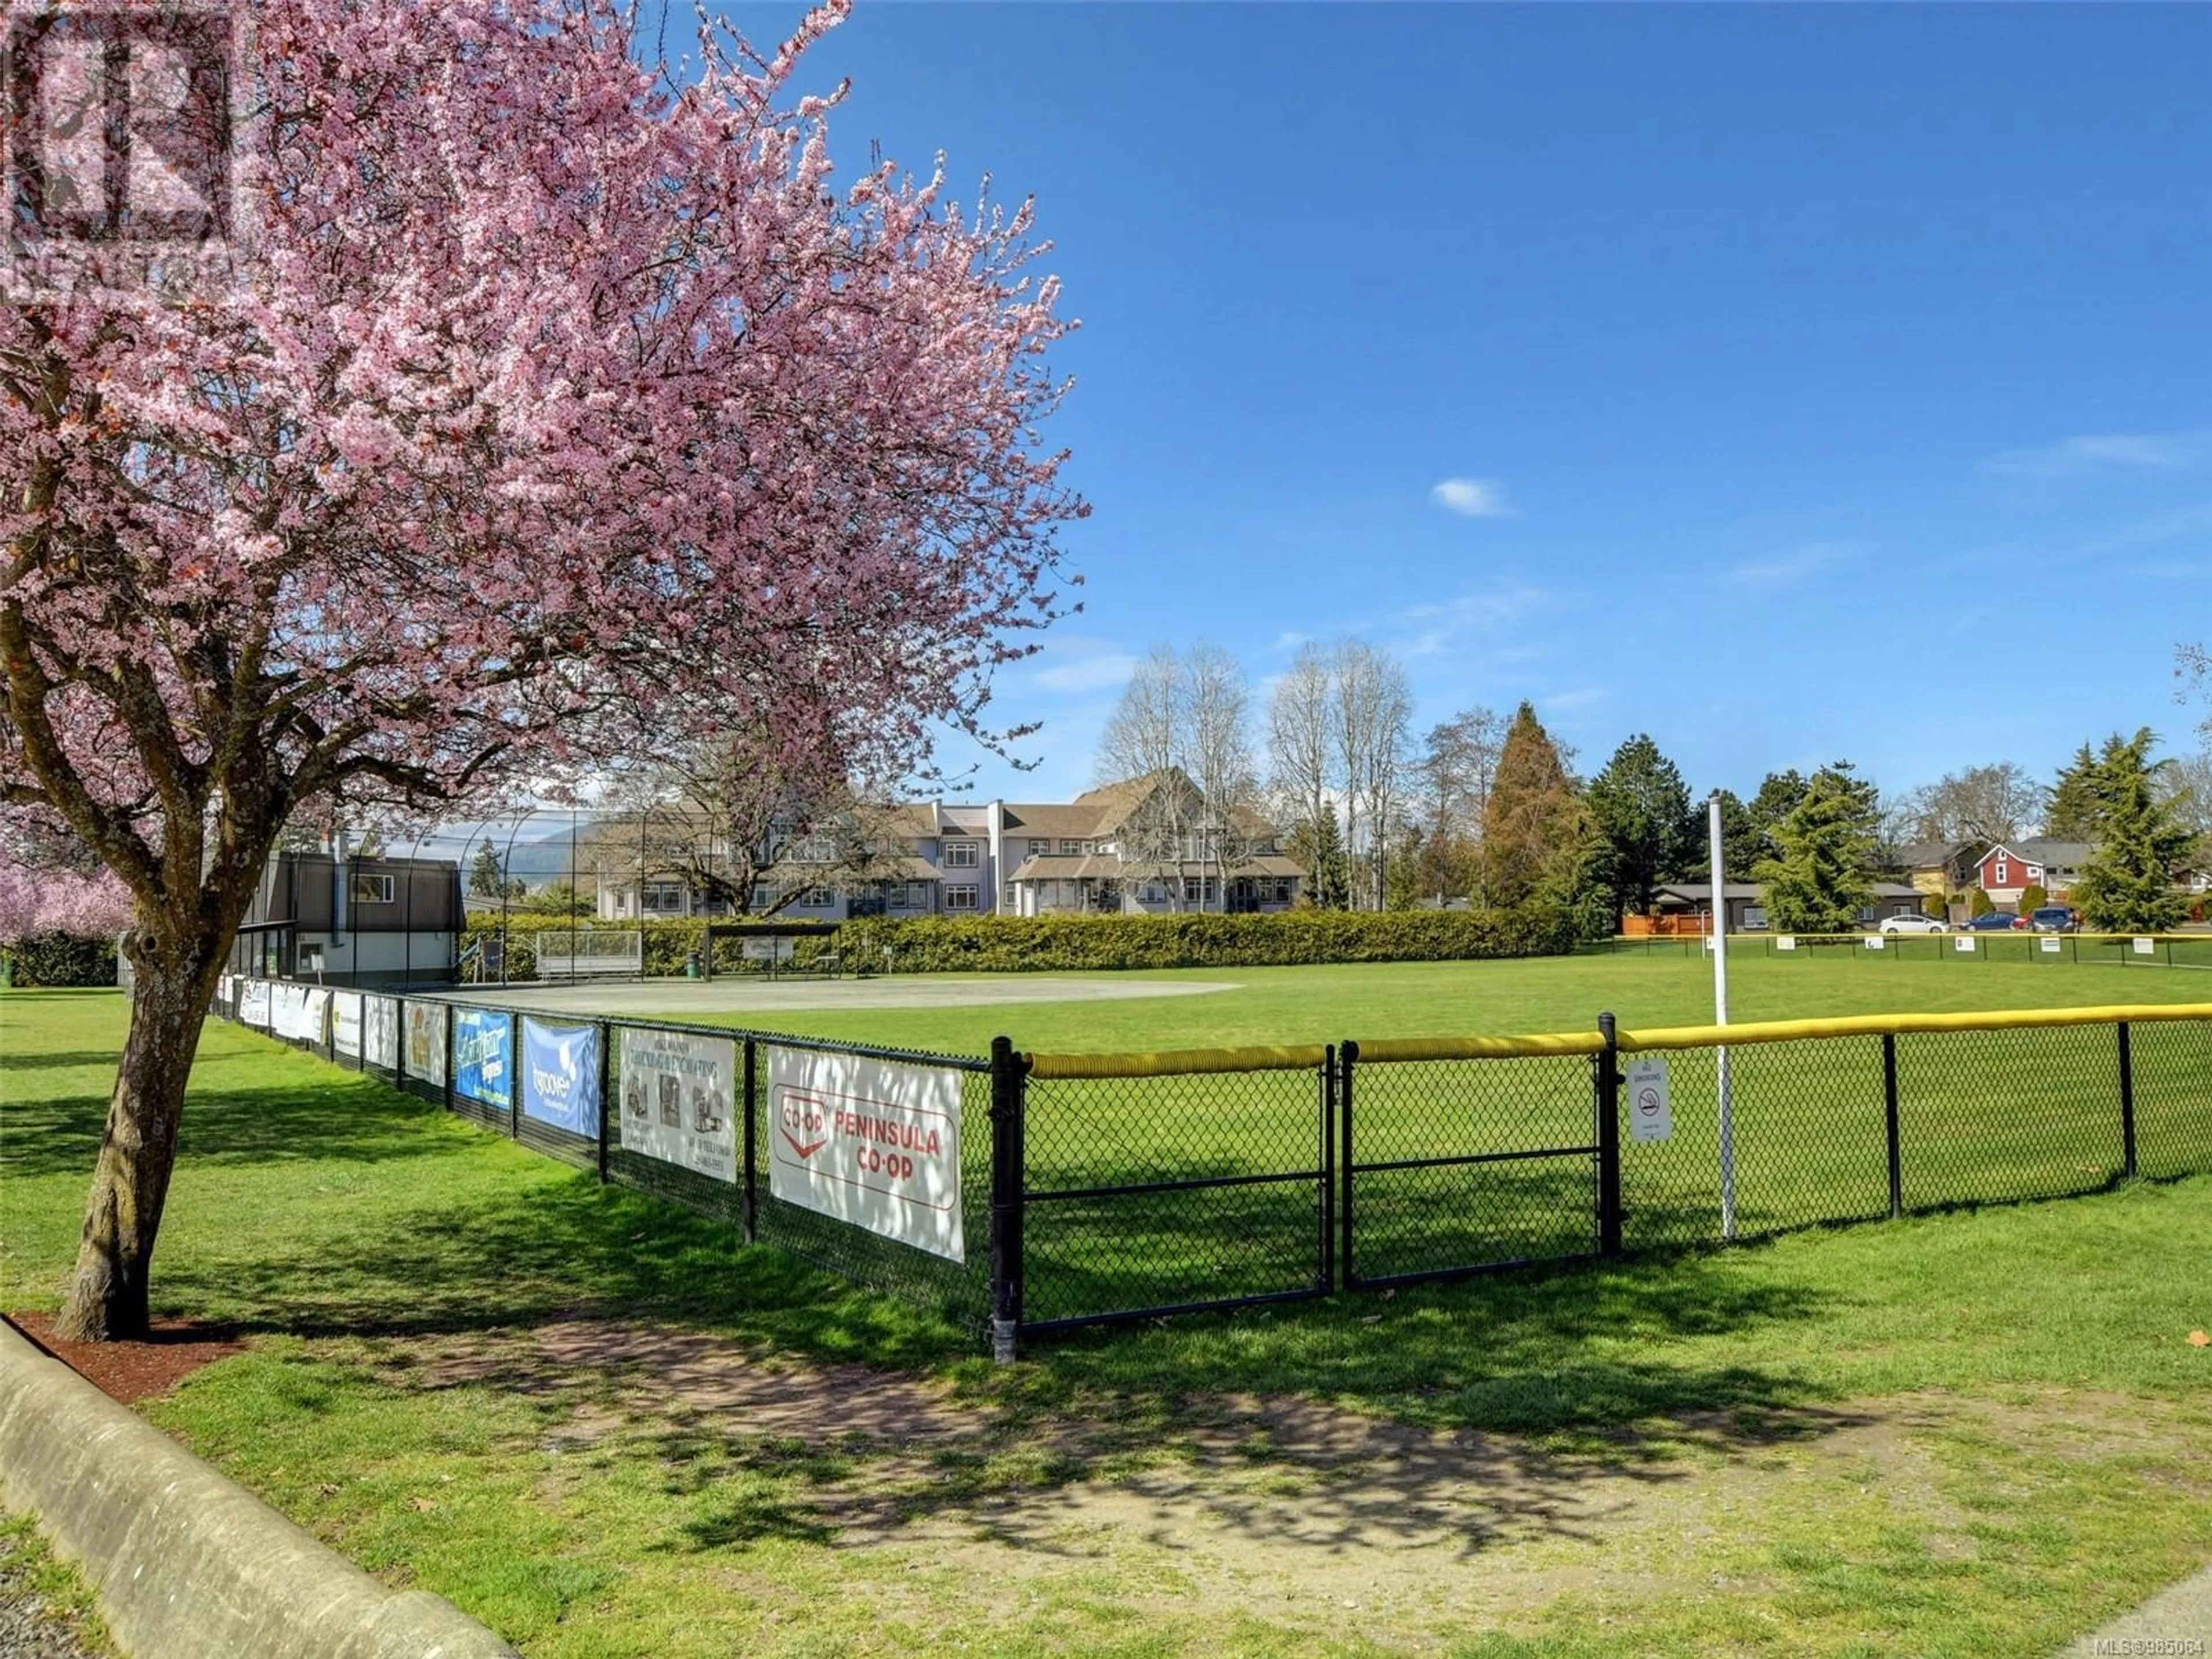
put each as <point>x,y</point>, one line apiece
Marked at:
<point>1650,1103</point>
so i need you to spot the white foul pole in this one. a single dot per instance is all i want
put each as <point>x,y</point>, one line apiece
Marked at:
<point>1720,1017</point>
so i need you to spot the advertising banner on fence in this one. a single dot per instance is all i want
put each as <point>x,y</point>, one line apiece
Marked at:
<point>297,1012</point>
<point>380,1033</point>
<point>873,1142</point>
<point>679,1100</point>
<point>2146,947</point>
<point>561,1076</point>
<point>483,1055</point>
<point>345,1023</point>
<point>1650,1100</point>
<point>253,1004</point>
<point>1964,944</point>
<point>426,1042</point>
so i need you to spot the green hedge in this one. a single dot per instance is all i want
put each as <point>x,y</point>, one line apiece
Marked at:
<point>58,960</point>
<point>1014,944</point>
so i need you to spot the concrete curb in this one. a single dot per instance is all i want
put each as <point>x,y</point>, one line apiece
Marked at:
<point>185,1562</point>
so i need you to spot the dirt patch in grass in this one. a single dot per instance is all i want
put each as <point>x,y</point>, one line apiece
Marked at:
<point>1280,1506</point>
<point>131,1371</point>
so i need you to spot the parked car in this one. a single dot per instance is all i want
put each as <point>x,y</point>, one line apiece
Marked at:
<point>1996,921</point>
<point>1910,924</point>
<point>2054,919</point>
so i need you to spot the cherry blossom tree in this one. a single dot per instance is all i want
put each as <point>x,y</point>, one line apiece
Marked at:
<point>560,393</point>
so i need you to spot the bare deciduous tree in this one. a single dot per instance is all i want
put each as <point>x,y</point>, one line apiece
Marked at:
<point>1217,755</point>
<point>1374,710</point>
<point>1144,739</point>
<point>1987,804</point>
<point>1302,741</point>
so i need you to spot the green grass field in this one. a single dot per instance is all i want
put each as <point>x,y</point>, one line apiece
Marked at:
<point>608,1428</point>
<point>1550,993</point>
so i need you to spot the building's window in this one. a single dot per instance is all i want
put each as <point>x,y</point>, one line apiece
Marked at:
<point>1754,915</point>
<point>763,895</point>
<point>1039,848</point>
<point>961,897</point>
<point>664,898</point>
<point>2035,873</point>
<point>372,889</point>
<point>1153,892</point>
<point>2001,873</point>
<point>814,849</point>
<point>815,898</point>
<point>962,854</point>
<point>1011,900</point>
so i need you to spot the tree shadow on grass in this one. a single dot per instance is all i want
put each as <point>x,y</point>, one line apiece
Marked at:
<point>312,1111</point>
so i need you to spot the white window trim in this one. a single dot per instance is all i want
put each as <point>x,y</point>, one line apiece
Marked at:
<point>963,896</point>
<point>962,855</point>
<point>383,883</point>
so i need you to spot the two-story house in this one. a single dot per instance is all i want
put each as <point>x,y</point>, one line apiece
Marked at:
<point>1141,846</point>
<point>2005,872</point>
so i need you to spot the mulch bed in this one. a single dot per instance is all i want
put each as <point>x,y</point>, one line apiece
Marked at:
<point>131,1371</point>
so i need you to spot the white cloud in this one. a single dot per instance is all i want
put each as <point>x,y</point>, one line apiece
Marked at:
<point>1098,672</point>
<point>1472,498</point>
<point>1581,697</point>
<point>2072,457</point>
<point>1793,566</point>
<point>1291,640</point>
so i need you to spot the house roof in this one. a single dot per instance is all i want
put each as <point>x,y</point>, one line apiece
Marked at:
<point>1930,855</point>
<point>1701,892</point>
<point>2042,850</point>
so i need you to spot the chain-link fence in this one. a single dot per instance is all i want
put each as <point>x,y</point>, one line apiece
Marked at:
<point>1962,946</point>
<point>1027,1193</point>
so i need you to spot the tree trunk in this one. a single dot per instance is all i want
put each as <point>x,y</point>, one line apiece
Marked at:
<point>107,1300</point>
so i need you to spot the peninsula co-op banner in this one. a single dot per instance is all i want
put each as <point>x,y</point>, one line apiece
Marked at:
<point>561,1076</point>
<point>679,1100</point>
<point>873,1142</point>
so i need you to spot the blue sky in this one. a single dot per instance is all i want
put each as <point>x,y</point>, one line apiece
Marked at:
<point>1790,382</point>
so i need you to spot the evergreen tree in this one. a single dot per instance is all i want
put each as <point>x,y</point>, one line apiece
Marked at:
<point>2090,788</point>
<point>1317,844</point>
<point>484,873</point>
<point>1818,881</point>
<point>1530,821</point>
<point>1640,808</point>
<point>2127,886</point>
<point>1744,842</point>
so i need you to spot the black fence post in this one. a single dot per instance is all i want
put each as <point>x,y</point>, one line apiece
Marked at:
<point>1325,1280</point>
<point>400,1038</point>
<point>750,1104</point>
<point>1008,1090</point>
<point>606,1099</point>
<point>1347,1056</point>
<point>2127,1102</point>
<point>514,1070</point>
<point>1606,1110</point>
<point>1889,1119</point>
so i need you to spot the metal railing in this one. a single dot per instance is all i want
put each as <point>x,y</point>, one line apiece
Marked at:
<point>1104,1188</point>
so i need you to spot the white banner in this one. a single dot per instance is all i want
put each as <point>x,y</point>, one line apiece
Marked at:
<point>426,1042</point>
<point>873,1142</point>
<point>1650,1100</point>
<point>2146,947</point>
<point>379,1032</point>
<point>679,1100</point>
<point>1876,941</point>
<point>253,1004</point>
<point>1964,942</point>
<point>345,1023</point>
<point>2052,944</point>
<point>1786,942</point>
<point>298,1011</point>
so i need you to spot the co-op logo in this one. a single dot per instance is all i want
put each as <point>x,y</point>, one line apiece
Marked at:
<point>804,1124</point>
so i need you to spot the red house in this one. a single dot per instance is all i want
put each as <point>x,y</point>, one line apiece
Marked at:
<point>2005,872</point>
